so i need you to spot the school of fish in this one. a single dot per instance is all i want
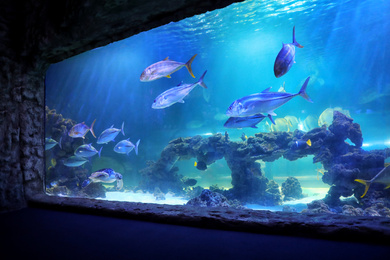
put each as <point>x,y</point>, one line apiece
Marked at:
<point>247,111</point>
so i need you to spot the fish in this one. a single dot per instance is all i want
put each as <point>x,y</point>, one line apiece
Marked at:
<point>202,166</point>
<point>326,117</point>
<point>293,122</point>
<point>282,88</point>
<point>264,102</point>
<point>301,144</point>
<point>286,57</point>
<point>320,170</point>
<point>81,129</point>
<point>50,143</point>
<point>165,68</point>
<point>176,94</point>
<point>382,177</point>
<point>106,175</point>
<point>244,137</point>
<point>309,123</point>
<point>125,147</point>
<point>249,121</point>
<point>74,161</point>
<point>86,150</point>
<point>281,125</point>
<point>109,134</point>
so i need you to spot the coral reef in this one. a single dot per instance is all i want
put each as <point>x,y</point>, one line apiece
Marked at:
<point>317,206</point>
<point>343,162</point>
<point>60,179</point>
<point>209,198</point>
<point>291,189</point>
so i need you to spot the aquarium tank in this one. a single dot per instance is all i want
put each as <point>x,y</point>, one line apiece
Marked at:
<point>277,105</point>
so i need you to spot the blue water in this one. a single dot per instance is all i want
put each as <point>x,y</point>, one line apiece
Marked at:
<point>346,53</point>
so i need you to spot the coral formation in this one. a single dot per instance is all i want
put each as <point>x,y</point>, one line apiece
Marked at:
<point>60,179</point>
<point>343,162</point>
<point>317,206</point>
<point>209,198</point>
<point>291,189</point>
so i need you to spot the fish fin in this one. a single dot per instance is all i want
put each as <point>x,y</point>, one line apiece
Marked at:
<point>253,126</point>
<point>167,58</point>
<point>303,93</point>
<point>100,150</point>
<point>188,65</point>
<point>136,146</point>
<point>181,101</point>
<point>366,183</point>
<point>123,132</point>
<point>168,76</point>
<point>308,142</point>
<point>200,82</point>
<point>294,41</point>
<point>91,128</point>
<point>271,119</point>
<point>272,113</point>
<point>388,186</point>
<point>266,90</point>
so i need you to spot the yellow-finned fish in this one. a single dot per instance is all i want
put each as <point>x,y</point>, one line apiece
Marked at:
<point>382,177</point>
<point>165,68</point>
<point>80,130</point>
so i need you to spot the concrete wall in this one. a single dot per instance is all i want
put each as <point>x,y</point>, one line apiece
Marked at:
<point>34,34</point>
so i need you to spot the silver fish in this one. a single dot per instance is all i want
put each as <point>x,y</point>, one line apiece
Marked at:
<point>286,57</point>
<point>81,129</point>
<point>125,147</point>
<point>75,161</point>
<point>264,102</point>
<point>87,150</point>
<point>176,94</point>
<point>165,68</point>
<point>249,121</point>
<point>109,134</point>
<point>107,175</point>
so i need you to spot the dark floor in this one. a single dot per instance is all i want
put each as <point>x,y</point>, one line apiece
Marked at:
<point>50,234</point>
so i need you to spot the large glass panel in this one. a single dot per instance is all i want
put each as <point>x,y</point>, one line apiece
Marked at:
<point>165,136</point>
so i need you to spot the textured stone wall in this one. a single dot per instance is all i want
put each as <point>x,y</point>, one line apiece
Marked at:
<point>34,34</point>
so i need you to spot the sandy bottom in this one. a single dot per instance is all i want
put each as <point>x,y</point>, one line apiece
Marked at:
<point>299,205</point>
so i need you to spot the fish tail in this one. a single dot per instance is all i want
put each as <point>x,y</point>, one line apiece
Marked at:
<point>303,93</point>
<point>136,146</point>
<point>366,183</point>
<point>123,132</point>
<point>188,65</point>
<point>91,128</point>
<point>308,142</point>
<point>294,41</point>
<point>200,82</point>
